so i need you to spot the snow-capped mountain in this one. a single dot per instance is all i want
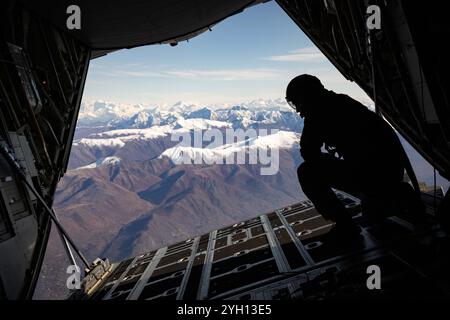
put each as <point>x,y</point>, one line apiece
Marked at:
<point>268,104</point>
<point>147,143</point>
<point>108,161</point>
<point>254,114</point>
<point>101,112</point>
<point>117,137</point>
<point>244,117</point>
<point>278,140</point>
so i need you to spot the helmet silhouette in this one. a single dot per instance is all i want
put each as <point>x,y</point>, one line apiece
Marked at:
<point>303,86</point>
<point>302,91</point>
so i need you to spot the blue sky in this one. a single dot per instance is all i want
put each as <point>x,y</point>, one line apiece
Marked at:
<point>248,56</point>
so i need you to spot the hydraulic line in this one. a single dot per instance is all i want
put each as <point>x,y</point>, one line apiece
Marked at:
<point>4,150</point>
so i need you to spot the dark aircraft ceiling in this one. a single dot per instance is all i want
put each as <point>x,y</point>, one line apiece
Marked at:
<point>109,25</point>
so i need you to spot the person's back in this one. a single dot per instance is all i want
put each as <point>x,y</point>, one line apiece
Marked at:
<point>359,135</point>
<point>364,155</point>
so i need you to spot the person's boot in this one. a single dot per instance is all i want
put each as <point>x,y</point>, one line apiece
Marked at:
<point>377,209</point>
<point>345,231</point>
<point>411,203</point>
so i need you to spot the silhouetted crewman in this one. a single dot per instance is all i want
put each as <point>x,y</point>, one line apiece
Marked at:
<point>344,146</point>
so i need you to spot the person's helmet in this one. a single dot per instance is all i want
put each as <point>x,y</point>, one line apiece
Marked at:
<point>302,90</point>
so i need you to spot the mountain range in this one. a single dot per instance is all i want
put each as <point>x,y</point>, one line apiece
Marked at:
<point>126,192</point>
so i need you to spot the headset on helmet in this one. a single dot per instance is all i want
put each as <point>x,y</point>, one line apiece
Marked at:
<point>302,87</point>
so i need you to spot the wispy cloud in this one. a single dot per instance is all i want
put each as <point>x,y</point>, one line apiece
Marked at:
<point>133,65</point>
<point>229,74</point>
<point>138,74</point>
<point>202,74</point>
<point>310,54</point>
